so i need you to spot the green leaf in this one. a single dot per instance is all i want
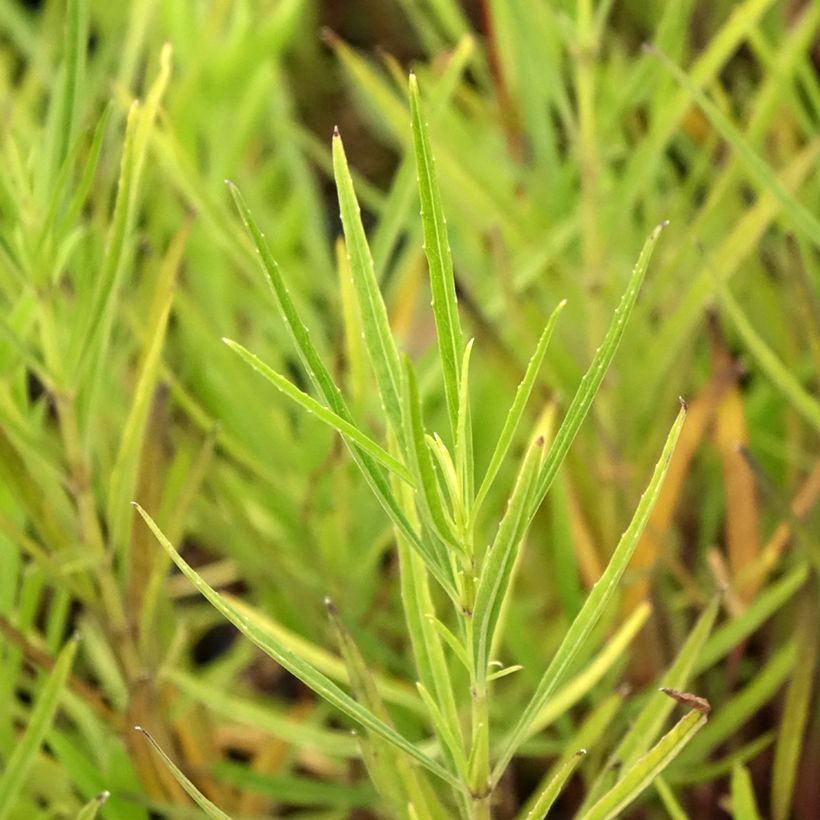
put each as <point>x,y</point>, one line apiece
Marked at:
<point>381,346</point>
<point>647,768</point>
<point>76,33</point>
<point>802,218</point>
<point>591,380</point>
<point>430,500</point>
<point>670,802</point>
<point>595,603</point>
<point>779,375</point>
<point>283,655</point>
<point>123,474</point>
<point>744,806</point>
<point>551,791</point>
<point>465,462</point>
<point>322,380</point>
<point>388,768</point>
<point>515,412</point>
<point>439,259</point>
<point>90,809</point>
<point>21,760</point>
<point>497,567</point>
<point>196,795</point>
<point>345,428</point>
<point>267,718</point>
<point>444,731</point>
<point>745,703</point>
<point>796,713</point>
<point>651,718</point>
<point>735,631</point>
<point>614,650</point>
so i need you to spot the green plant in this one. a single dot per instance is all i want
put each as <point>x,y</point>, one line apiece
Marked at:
<point>559,145</point>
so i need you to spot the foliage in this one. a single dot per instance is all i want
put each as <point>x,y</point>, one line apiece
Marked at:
<point>491,494</point>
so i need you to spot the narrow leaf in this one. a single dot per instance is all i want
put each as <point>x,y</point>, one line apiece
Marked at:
<point>647,768</point>
<point>193,792</point>
<point>344,428</point>
<point>744,806</point>
<point>596,602</point>
<point>430,498</point>
<point>90,809</point>
<point>322,380</point>
<point>497,567</point>
<point>439,259</point>
<point>284,656</point>
<point>381,346</point>
<point>522,394</point>
<point>802,218</point>
<point>42,714</point>
<point>591,380</point>
<point>774,369</point>
<point>796,714</point>
<point>547,797</point>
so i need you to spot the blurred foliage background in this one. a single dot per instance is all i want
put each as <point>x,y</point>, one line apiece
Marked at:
<point>560,144</point>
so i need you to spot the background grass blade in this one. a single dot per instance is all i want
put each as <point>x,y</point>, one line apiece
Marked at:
<point>780,376</point>
<point>795,719</point>
<point>22,759</point>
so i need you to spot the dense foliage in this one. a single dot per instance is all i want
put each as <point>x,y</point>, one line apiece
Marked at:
<point>453,499</point>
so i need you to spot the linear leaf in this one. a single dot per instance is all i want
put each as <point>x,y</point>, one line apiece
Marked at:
<point>515,412</point>
<point>42,714</point>
<point>91,808</point>
<point>651,718</point>
<point>387,766</point>
<point>551,791</point>
<point>733,632</point>
<point>430,499</point>
<point>647,768</point>
<point>596,602</point>
<point>779,375</point>
<point>579,686</point>
<point>591,380</point>
<point>745,703</point>
<point>439,259</point>
<point>322,380</point>
<point>314,408</point>
<point>381,346</point>
<point>497,567</point>
<point>803,218</point>
<point>796,714</point>
<point>193,792</point>
<point>744,806</point>
<point>296,731</point>
<point>309,675</point>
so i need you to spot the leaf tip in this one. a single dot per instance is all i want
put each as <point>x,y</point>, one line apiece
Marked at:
<point>330,607</point>
<point>336,134</point>
<point>103,796</point>
<point>683,405</point>
<point>695,702</point>
<point>581,753</point>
